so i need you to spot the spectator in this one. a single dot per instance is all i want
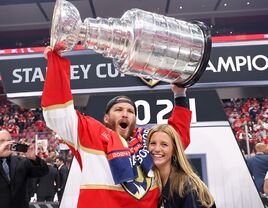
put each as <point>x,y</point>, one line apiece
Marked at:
<point>253,112</point>
<point>29,118</point>
<point>53,155</point>
<point>63,174</point>
<point>258,165</point>
<point>237,124</point>
<point>14,173</point>
<point>40,125</point>
<point>3,109</point>
<point>21,122</point>
<point>63,149</point>
<point>250,125</point>
<point>234,113</point>
<point>48,184</point>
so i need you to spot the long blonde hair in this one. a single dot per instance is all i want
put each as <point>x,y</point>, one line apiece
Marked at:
<point>182,176</point>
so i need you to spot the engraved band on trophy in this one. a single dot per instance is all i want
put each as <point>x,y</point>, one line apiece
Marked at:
<point>141,43</point>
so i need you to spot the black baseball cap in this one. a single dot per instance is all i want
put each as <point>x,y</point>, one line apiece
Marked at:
<point>120,99</point>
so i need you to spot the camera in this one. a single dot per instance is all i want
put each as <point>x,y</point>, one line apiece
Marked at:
<point>19,147</point>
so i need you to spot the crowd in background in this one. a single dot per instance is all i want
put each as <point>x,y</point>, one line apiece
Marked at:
<point>249,120</point>
<point>28,126</point>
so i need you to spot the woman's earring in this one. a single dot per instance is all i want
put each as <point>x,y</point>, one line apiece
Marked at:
<point>174,158</point>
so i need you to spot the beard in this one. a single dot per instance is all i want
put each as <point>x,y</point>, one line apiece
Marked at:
<point>116,127</point>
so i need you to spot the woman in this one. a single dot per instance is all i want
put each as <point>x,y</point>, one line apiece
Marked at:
<point>182,188</point>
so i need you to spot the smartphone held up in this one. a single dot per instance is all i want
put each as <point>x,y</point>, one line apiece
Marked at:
<point>18,147</point>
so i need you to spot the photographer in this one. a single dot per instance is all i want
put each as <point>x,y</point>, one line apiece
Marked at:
<point>15,170</point>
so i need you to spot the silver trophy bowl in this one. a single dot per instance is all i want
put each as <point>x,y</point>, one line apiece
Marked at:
<point>141,43</point>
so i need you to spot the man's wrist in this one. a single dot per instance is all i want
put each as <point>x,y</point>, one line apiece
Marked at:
<point>182,102</point>
<point>179,94</point>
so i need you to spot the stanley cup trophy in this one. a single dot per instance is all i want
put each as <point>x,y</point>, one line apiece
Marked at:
<point>140,43</point>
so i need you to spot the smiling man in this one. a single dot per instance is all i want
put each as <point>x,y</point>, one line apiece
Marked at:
<point>115,164</point>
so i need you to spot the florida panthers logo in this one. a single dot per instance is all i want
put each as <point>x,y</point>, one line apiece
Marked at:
<point>139,187</point>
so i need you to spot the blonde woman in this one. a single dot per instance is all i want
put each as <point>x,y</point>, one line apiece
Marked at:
<point>181,187</point>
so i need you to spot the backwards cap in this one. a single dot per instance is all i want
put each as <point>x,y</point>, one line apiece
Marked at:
<point>119,99</point>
